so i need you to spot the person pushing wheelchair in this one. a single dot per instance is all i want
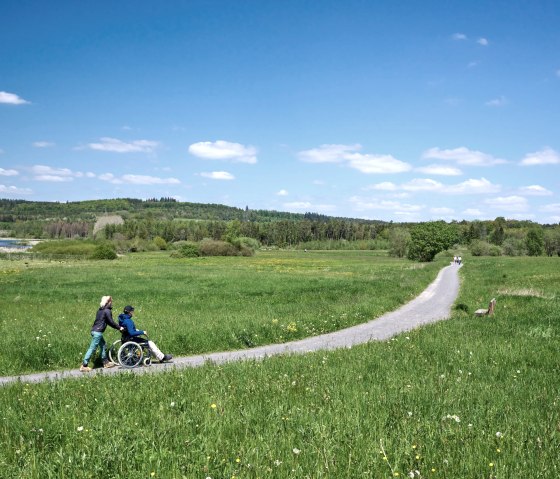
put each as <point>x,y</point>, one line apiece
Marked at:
<point>130,333</point>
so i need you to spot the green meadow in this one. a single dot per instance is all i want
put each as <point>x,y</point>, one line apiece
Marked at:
<point>464,398</point>
<point>197,305</point>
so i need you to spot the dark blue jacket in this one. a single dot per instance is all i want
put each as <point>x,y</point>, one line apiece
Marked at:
<point>125,320</point>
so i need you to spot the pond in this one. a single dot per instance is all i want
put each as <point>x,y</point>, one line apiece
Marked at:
<point>13,244</point>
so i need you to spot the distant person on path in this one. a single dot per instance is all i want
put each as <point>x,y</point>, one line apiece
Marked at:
<point>103,318</point>
<point>130,333</point>
<point>459,259</point>
<point>454,259</point>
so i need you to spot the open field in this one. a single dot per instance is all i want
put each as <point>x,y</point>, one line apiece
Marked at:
<point>468,397</point>
<point>195,305</point>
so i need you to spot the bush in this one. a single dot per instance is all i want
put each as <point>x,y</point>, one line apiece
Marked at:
<point>160,243</point>
<point>186,250</point>
<point>65,247</point>
<point>210,247</point>
<point>483,248</point>
<point>104,251</point>
<point>514,247</point>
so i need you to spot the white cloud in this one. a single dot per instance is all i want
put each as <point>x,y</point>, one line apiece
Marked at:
<point>442,211</point>
<point>43,144</point>
<point>218,175</point>
<point>474,187</point>
<point>459,36</point>
<point>546,156</point>
<point>482,41</point>
<point>551,208</point>
<point>535,190</point>
<point>11,99</point>
<point>13,190</point>
<point>377,204</point>
<point>282,193</point>
<point>53,178</point>
<point>468,187</point>
<point>4,172</point>
<point>372,164</point>
<point>149,180</point>
<point>498,102</point>
<point>422,184</point>
<point>224,150</point>
<point>50,174</point>
<point>383,186</point>
<point>474,212</point>
<point>463,156</point>
<point>508,203</point>
<point>366,163</point>
<point>328,153</point>
<point>115,145</point>
<point>441,170</point>
<point>110,178</point>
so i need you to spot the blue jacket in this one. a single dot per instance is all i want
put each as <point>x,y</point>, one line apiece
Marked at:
<point>125,320</point>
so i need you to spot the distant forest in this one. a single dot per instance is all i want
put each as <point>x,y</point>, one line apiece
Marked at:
<point>176,221</point>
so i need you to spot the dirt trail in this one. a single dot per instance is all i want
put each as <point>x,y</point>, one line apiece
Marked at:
<point>433,304</point>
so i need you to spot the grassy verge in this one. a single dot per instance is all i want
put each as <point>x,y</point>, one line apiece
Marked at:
<point>468,397</point>
<point>195,305</point>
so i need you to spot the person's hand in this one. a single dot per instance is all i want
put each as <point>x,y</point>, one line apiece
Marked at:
<point>145,333</point>
<point>121,328</point>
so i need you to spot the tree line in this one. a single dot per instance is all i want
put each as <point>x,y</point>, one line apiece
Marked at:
<point>175,221</point>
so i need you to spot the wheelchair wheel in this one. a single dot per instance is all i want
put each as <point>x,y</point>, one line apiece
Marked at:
<point>147,361</point>
<point>113,351</point>
<point>130,354</point>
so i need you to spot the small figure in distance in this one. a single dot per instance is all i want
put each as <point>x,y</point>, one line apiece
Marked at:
<point>454,259</point>
<point>130,333</point>
<point>103,318</point>
<point>459,259</point>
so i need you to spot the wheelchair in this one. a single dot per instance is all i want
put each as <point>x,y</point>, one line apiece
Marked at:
<point>131,354</point>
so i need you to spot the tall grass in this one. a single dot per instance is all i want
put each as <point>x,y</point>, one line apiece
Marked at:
<point>465,398</point>
<point>195,305</point>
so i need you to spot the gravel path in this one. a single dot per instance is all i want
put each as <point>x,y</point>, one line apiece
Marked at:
<point>433,304</point>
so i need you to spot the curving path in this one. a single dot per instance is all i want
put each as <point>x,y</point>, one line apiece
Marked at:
<point>433,304</point>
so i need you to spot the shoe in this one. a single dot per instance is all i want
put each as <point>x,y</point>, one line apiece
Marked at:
<point>109,364</point>
<point>85,369</point>
<point>166,357</point>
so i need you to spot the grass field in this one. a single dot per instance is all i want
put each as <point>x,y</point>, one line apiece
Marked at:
<point>195,305</point>
<point>465,398</point>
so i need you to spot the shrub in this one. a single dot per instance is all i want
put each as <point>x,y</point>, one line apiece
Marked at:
<point>186,250</point>
<point>210,247</point>
<point>104,251</point>
<point>514,246</point>
<point>160,243</point>
<point>65,247</point>
<point>483,248</point>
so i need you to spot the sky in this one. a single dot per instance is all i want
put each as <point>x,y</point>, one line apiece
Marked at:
<point>402,111</point>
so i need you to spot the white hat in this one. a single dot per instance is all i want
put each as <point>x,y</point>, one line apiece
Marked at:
<point>104,301</point>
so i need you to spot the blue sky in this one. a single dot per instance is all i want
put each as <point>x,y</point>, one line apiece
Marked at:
<point>403,111</point>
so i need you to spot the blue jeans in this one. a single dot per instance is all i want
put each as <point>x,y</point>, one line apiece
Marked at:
<point>96,340</point>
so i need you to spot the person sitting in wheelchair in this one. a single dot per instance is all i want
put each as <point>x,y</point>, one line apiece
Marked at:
<point>130,333</point>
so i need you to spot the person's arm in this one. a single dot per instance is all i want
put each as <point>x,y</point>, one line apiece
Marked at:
<point>109,320</point>
<point>131,329</point>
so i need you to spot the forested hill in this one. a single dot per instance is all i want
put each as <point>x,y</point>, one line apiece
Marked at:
<point>131,208</point>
